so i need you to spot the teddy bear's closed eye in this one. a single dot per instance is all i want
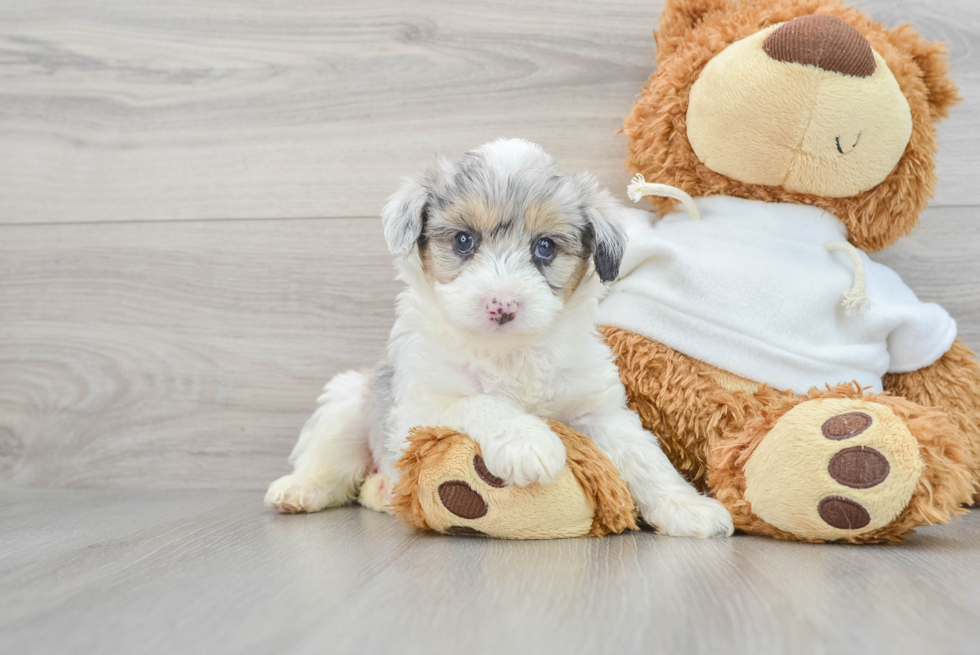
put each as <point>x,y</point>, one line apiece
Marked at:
<point>847,152</point>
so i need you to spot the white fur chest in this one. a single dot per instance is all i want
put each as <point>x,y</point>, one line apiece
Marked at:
<point>557,378</point>
<point>521,379</point>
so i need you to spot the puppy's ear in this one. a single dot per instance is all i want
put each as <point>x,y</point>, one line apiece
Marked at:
<point>404,215</point>
<point>603,213</point>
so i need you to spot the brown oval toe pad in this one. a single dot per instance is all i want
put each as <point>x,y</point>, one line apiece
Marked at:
<point>859,467</point>
<point>843,513</point>
<point>846,426</point>
<point>465,531</point>
<point>460,499</point>
<point>485,474</point>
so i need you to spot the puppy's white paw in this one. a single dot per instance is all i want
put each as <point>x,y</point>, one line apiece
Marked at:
<point>292,494</point>
<point>525,452</point>
<point>376,493</point>
<point>689,514</point>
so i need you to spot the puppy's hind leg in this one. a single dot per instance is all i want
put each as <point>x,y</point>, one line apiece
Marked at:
<point>332,455</point>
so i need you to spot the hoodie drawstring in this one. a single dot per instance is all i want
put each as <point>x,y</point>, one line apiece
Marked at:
<point>639,188</point>
<point>854,299</point>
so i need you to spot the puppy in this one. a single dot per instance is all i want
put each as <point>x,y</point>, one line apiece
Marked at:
<point>504,261</point>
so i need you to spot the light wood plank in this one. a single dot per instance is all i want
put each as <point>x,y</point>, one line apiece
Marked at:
<point>218,574</point>
<point>46,523</point>
<point>189,354</point>
<point>178,354</point>
<point>243,109</point>
<point>132,584</point>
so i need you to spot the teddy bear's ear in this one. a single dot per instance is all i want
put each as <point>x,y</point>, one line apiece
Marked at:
<point>932,58</point>
<point>679,18</point>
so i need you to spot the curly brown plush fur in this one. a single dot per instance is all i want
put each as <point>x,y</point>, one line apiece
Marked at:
<point>709,433</point>
<point>692,32</point>
<point>679,400</point>
<point>425,445</point>
<point>614,510</point>
<point>953,384</point>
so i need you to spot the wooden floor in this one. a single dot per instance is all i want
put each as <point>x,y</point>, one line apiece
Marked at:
<point>211,572</point>
<point>190,248</point>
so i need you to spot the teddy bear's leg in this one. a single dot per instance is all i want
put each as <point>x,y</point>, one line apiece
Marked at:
<point>840,465</point>
<point>444,485</point>
<point>953,384</point>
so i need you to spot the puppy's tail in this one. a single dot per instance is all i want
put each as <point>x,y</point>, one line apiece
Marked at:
<point>333,445</point>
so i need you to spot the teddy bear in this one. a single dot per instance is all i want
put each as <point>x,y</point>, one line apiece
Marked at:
<point>783,371</point>
<point>801,383</point>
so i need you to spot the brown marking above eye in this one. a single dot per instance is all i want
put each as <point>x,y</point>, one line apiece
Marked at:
<point>473,214</point>
<point>544,217</point>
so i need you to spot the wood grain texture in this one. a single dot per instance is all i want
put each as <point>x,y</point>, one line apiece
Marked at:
<point>125,111</point>
<point>176,354</point>
<point>100,572</point>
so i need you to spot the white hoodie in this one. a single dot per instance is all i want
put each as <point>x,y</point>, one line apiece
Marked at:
<point>752,289</point>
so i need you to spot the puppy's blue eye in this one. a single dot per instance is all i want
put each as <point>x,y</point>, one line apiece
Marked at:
<point>463,242</point>
<point>545,249</point>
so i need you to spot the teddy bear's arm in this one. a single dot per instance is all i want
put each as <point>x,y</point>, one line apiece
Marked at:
<point>953,384</point>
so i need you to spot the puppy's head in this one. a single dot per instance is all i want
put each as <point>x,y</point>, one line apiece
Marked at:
<point>505,239</point>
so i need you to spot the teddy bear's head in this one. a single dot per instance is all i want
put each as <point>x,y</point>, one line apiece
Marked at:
<point>802,101</point>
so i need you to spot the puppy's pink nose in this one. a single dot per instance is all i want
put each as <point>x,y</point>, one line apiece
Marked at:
<point>502,309</point>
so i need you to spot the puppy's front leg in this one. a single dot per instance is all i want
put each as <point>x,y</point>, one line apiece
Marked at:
<point>517,447</point>
<point>664,498</point>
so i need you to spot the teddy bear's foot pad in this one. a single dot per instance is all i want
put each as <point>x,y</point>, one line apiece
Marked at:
<point>474,502</point>
<point>445,486</point>
<point>833,468</point>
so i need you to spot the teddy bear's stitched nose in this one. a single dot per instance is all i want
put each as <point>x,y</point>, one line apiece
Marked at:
<point>826,42</point>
